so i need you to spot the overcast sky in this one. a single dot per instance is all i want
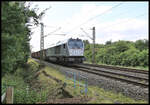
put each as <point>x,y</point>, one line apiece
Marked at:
<point>112,21</point>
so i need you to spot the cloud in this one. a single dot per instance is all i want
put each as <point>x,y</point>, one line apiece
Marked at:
<point>121,29</point>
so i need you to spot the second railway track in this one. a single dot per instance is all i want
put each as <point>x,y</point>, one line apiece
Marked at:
<point>118,68</point>
<point>131,78</point>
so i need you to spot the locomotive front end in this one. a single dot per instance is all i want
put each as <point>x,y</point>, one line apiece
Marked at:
<point>76,50</point>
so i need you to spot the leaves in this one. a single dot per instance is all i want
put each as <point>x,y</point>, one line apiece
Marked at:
<point>15,34</point>
<point>124,53</point>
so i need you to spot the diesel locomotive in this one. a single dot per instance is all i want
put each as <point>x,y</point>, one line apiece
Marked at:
<point>67,51</point>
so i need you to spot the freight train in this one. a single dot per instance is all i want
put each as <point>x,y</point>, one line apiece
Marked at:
<point>67,51</point>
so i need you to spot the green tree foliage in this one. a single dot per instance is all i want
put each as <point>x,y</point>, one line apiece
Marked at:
<point>141,44</point>
<point>86,42</point>
<point>143,58</point>
<point>16,34</point>
<point>123,53</point>
<point>129,57</point>
<point>108,42</point>
<point>121,46</point>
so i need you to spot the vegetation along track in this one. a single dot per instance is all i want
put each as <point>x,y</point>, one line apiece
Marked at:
<point>137,78</point>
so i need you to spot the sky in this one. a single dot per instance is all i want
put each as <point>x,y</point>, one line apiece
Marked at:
<point>112,21</point>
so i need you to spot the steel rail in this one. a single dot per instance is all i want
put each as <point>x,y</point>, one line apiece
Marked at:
<point>115,73</point>
<point>113,77</point>
<point>118,68</point>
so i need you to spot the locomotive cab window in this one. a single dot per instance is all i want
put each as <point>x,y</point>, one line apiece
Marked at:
<point>75,44</point>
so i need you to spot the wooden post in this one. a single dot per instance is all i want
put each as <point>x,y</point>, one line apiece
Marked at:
<point>9,95</point>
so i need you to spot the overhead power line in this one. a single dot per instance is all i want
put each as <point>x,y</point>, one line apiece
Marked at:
<point>107,27</point>
<point>53,31</point>
<point>97,16</point>
<point>102,13</point>
<point>86,33</point>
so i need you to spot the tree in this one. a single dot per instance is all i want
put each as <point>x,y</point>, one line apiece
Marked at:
<point>130,57</point>
<point>143,58</point>
<point>86,42</point>
<point>121,46</point>
<point>141,44</point>
<point>120,53</point>
<point>108,42</point>
<point>16,34</point>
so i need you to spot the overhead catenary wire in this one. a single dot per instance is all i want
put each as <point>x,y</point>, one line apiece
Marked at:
<point>90,11</point>
<point>103,13</point>
<point>107,27</point>
<point>86,33</point>
<point>120,14</point>
<point>58,28</point>
<point>93,17</point>
<point>52,32</point>
<point>96,16</point>
<point>125,21</point>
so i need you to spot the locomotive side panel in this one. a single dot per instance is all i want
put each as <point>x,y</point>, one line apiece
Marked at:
<point>50,54</point>
<point>57,51</point>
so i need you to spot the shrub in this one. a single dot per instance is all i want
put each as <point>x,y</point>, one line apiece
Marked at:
<point>143,58</point>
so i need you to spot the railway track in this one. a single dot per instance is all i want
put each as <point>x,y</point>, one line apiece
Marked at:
<point>117,68</point>
<point>113,73</point>
<point>136,78</point>
<point>136,89</point>
<point>121,71</point>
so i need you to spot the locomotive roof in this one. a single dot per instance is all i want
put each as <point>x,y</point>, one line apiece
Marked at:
<point>62,42</point>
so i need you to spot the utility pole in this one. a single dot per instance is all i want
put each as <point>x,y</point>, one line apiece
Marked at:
<point>93,52</point>
<point>42,42</point>
<point>42,55</point>
<point>92,38</point>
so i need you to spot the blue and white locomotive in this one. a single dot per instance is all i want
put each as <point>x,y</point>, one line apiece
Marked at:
<point>70,50</point>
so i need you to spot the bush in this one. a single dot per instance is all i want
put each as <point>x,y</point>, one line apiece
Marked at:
<point>141,44</point>
<point>32,97</point>
<point>129,57</point>
<point>143,58</point>
<point>121,46</point>
<point>124,53</point>
<point>18,81</point>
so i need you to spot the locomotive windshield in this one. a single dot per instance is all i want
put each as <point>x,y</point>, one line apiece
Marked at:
<point>75,44</point>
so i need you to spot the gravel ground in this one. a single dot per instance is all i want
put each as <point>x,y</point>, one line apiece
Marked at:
<point>130,90</point>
